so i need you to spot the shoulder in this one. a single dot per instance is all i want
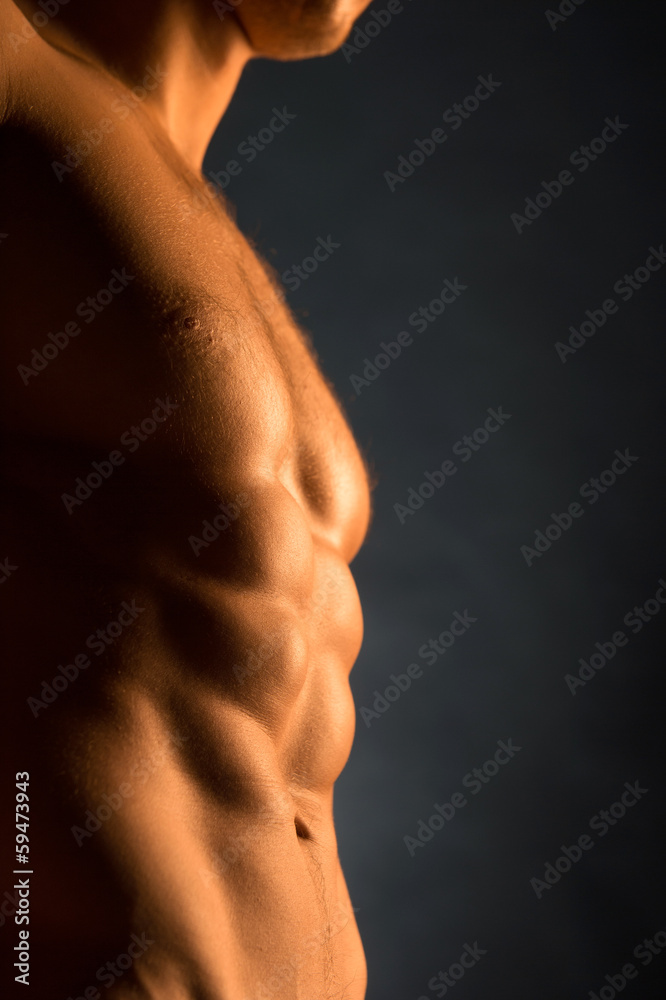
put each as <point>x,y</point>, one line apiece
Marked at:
<point>16,33</point>
<point>25,55</point>
<point>29,51</point>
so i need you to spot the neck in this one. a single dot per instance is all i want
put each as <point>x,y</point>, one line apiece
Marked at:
<point>197,57</point>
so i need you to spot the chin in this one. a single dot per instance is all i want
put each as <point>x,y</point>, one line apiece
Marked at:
<point>304,29</point>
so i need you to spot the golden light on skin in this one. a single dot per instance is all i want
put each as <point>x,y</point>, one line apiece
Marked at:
<point>244,648</point>
<point>285,30</point>
<point>201,55</point>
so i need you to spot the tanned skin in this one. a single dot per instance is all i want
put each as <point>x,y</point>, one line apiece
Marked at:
<point>181,781</point>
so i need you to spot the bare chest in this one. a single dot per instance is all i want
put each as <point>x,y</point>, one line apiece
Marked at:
<point>194,314</point>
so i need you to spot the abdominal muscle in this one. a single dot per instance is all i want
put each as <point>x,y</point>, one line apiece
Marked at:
<point>219,768</point>
<point>220,721</point>
<point>230,694</point>
<point>232,844</point>
<point>232,686</point>
<point>276,866</point>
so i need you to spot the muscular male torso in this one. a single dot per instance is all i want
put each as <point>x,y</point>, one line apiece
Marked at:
<point>181,779</point>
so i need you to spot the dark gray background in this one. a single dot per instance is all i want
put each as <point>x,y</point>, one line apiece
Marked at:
<point>505,678</point>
